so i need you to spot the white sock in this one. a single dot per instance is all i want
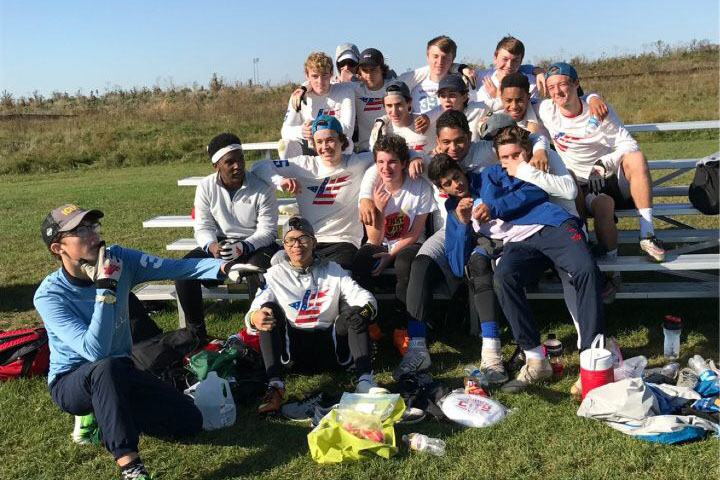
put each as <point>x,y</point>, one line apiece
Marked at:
<point>611,254</point>
<point>416,343</point>
<point>536,352</point>
<point>646,225</point>
<point>491,344</point>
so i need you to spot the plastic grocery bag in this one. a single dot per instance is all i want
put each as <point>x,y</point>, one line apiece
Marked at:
<point>349,434</point>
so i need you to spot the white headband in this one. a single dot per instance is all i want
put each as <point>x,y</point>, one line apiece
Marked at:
<point>223,151</point>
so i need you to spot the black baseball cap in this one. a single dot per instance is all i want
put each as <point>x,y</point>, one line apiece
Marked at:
<point>64,219</point>
<point>397,87</point>
<point>298,223</point>
<point>371,57</point>
<point>452,82</point>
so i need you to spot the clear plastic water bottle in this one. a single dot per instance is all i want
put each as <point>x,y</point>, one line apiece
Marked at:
<point>422,443</point>
<point>670,370</point>
<point>592,126</point>
<point>474,380</point>
<point>700,366</point>
<point>672,326</point>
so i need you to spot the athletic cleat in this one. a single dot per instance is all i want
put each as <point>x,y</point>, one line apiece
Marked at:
<point>534,371</point>
<point>653,247</point>
<point>271,401</point>
<point>412,415</point>
<point>492,369</point>
<point>364,385</point>
<point>320,413</point>
<point>576,389</point>
<point>304,409</point>
<point>86,431</point>
<point>415,360</point>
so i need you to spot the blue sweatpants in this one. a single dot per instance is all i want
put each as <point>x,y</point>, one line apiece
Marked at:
<point>523,263</point>
<point>126,402</point>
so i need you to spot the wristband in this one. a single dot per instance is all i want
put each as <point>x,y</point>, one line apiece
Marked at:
<point>106,283</point>
<point>108,297</point>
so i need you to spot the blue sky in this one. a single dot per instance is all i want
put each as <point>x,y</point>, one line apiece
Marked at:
<point>70,45</point>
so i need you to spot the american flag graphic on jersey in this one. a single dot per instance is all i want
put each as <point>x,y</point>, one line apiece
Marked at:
<point>372,104</point>
<point>323,111</point>
<point>309,307</point>
<point>563,139</point>
<point>326,192</point>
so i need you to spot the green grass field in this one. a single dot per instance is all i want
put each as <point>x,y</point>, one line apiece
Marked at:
<point>543,439</point>
<point>123,153</point>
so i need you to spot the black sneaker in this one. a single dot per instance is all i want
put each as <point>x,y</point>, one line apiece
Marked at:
<point>303,410</point>
<point>516,362</point>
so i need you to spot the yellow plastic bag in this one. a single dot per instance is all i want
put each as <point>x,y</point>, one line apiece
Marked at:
<point>330,443</point>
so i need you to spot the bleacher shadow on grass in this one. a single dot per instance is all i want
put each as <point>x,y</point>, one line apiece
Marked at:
<point>17,297</point>
<point>270,443</point>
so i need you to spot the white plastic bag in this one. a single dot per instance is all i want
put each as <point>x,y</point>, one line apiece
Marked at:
<point>631,368</point>
<point>214,400</point>
<point>472,410</point>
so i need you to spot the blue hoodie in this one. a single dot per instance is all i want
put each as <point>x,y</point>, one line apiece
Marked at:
<point>82,329</point>
<point>509,199</point>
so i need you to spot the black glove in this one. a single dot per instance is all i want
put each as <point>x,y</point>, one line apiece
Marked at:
<point>360,317</point>
<point>298,100</point>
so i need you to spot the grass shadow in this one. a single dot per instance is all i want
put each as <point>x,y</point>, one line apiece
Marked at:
<point>17,297</point>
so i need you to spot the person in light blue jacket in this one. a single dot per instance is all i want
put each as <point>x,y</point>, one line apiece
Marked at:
<point>84,306</point>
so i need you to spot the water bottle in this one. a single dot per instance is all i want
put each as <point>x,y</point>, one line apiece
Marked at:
<point>422,443</point>
<point>670,370</point>
<point>214,400</point>
<point>474,380</point>
<point>554,350</point>
<point>592,126</point>
<point>672,326</point>
<point>704,373</point>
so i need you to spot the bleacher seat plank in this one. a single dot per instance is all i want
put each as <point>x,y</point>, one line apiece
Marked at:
<point>673,126</point>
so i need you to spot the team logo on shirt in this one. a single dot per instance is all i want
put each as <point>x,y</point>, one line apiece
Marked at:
<point>310,306</point>
<point>326,192</point>
<point>281,163</point>
<point>562,141</point>
<point>328,111</point>
<point>372,104</point>
<point>396,225</point>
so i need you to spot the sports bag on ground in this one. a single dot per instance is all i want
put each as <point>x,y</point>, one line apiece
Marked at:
<point>24,353</point>
<point>704,191</point>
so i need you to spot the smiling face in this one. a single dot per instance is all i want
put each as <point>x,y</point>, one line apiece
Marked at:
<point>372,76</point>
<point>438,61</point>
<point>511,152</point>
<point>505,62</point>
<point>563,91</point>
<point>397,108</point>
<point>319,80</point>
<point>454,183</point>
<point>327,144</point>
<point>231,168</point>
<point>454,142</point>
<point>299,247</point>
<point>452,99</point>
<point>515,102</point>
<point>390,168</point>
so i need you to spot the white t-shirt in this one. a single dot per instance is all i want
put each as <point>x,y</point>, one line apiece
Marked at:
<point>328,196</point>
<point>414,198</point>
<point>338,102</point>
<point>582,140</point>
<point>481,95</point>
<point>417,142</point>
<point>422,89</point>
<point>368,107</point>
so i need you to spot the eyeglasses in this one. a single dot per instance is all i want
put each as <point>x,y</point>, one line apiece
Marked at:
<point>303,240</point>
<point>84,230</point>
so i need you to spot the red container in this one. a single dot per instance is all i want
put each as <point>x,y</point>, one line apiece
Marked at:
<point>595,378</point>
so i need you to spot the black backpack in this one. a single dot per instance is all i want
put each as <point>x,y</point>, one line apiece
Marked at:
<point>704,192</point>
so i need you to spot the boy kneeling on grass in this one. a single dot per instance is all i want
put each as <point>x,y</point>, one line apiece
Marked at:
<point>534,234</point>
<point>84,306</point>
<point>299,316</point>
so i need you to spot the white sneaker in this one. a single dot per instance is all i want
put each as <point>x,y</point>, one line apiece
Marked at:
<point>535,370</point>
<point>416,359</point>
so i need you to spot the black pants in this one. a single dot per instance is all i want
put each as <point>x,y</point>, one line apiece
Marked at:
<point>363,265</point>
<point>522,263</point>
<point>480,285</point>
<point>126,402</point>
<point>189,293</point>
<point>341,253</point>
<point>425,275</point>
<point>313,350</point>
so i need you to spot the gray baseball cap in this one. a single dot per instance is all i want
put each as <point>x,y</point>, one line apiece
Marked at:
<point>63,219</point>
<point>495,123</point>
<point>297,223</point>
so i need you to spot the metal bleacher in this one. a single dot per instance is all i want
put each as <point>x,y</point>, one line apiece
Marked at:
<point>686,272</point>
